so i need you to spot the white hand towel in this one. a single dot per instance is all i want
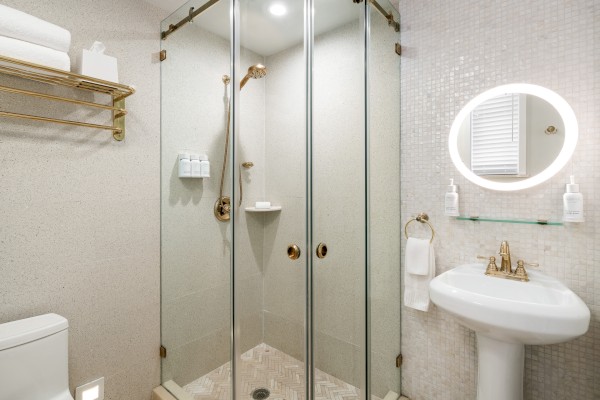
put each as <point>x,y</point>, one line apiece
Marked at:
<point>417,256</point>
<point>34,53</point>
<point>420,258</point>
<point>22,26</point>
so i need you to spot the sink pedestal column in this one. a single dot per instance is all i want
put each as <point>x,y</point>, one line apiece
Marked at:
<point>500,375</point>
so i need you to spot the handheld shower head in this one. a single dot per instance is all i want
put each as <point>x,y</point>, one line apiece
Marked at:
<point>256,71</point>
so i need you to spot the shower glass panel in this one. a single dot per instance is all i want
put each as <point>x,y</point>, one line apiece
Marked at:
<point>339,197</point>
<point>269,286</point>
<point>195,247</point>
<point>383,78</point>
<point>295,103</point>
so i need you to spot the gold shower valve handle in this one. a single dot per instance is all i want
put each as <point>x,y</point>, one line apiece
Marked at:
<point>293,252</point>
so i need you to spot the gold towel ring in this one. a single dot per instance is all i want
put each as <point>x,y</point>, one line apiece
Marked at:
<point>422,218</point>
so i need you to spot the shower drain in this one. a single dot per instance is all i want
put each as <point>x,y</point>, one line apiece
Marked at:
<point>260,393</point>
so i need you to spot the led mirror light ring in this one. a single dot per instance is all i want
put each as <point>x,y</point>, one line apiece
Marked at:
<point>565,111</point>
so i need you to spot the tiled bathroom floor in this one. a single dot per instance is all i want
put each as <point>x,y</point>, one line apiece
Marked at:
<point>266,367</point>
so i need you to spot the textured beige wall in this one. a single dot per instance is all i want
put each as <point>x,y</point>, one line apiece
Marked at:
<point>452,52</point>
<point>195,245</point>
<point>80,212</point>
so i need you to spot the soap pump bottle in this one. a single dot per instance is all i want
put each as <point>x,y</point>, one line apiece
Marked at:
<point>572,202</point>
<point>195,165</point>
<point>185,166</point>
<point>451,200</point>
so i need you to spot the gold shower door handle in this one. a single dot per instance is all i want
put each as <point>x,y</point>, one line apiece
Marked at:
<point>293,252</point>
<point>321,250</point>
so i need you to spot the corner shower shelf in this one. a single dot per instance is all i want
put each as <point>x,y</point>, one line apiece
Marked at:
<point>510,221</point>
<point>262,210</point>
<point>41,73</point>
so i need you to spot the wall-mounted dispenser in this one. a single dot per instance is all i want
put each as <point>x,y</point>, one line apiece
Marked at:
<point>185,166</point>
<point>204,166</point>
<point>572,202</point>
<point>451,200</point>
<point>193,166</point>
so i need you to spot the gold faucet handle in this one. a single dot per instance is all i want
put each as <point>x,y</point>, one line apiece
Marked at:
<point>491,267</point>
<point>520,272</point>
<point>534,265</point>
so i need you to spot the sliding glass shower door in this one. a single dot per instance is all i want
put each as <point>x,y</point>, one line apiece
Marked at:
<point>338,194</point>
<point>269,202</point>
<point>267,267</point>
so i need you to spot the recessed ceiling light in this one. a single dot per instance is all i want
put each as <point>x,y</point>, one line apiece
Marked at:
<point>277,9</point>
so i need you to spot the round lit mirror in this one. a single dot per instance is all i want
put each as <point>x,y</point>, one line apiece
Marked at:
<point>513,137</point>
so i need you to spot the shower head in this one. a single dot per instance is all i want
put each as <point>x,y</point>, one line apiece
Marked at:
<point>256,71</point>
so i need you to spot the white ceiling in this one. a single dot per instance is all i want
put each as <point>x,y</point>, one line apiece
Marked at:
<point>260,31</point>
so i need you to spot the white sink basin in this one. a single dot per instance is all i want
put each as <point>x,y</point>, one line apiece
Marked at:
<point>506,315</point>
<point>541,311</point>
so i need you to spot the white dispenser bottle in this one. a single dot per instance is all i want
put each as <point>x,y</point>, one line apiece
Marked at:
<point>185,166</point>
<point>451,200</point>
<point>195,163</point>
<point>572,202</point>
<point>204,166</point>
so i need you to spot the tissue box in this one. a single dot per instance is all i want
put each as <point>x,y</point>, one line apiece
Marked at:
<point>98,65</point>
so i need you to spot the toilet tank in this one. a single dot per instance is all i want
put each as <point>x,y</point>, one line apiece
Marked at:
<point>34,359</point>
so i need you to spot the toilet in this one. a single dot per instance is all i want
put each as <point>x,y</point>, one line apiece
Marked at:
<point>34,359</point>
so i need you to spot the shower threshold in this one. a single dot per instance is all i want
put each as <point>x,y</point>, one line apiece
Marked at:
<point>266,367</point>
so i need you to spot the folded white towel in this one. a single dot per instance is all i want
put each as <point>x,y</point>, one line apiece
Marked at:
<point>34,53</point>
<point>22,26</point>
<point>419,271</point>
<point>417,256</point>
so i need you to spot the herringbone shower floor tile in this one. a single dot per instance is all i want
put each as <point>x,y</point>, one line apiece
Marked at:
<point>266,367</point>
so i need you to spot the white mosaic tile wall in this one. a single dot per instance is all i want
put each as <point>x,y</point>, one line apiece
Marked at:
<point>453,51</point>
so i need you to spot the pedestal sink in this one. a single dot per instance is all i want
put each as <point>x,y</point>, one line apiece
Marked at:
<point>506,315</point>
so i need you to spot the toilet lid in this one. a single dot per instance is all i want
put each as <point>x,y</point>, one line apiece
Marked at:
<point>27,330</point>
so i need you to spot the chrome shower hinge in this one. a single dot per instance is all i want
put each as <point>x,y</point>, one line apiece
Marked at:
<point>163,352</point>
<point>399,360</point>
<point>163,55</point>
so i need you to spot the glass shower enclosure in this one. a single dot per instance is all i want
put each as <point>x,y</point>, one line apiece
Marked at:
<point>280,272</point>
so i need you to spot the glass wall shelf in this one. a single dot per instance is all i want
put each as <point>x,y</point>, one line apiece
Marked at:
<point>511,221</point>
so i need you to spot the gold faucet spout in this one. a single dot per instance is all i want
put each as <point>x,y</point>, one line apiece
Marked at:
<point>505,265</point>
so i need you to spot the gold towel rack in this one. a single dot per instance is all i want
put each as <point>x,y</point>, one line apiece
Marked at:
<point>422,218</point>
<point>40,73</point>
